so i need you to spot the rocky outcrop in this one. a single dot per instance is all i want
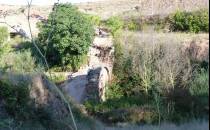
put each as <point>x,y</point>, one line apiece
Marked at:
<point>90,81</point>
<point>43,94</point>
<point>97,79</point>
<point>101,63</point>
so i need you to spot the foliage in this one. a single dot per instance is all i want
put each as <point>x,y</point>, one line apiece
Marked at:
<point>3,37</point>
<point>70,39</point>
<point>96,20</point>
<point>115,24</point>
<point>154,74</point>
<point>200,85</point>
<point>135,24</point>
<point>139,65</point>
<point>18,62</point>
<point>132,25</point>
<point>16,41</point>
<point>58,78</point>
<point>197,21</point>
<point>3,34</point>
<point>16,99</point>
<point>114,91</point>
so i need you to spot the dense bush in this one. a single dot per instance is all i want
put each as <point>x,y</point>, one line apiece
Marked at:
<point>197,21</point>
<point>115,24</point>
<point>114,91</point>
<point>3,34</point>
<point>70,39</point>
<point>200,84</point>
<point>96,20</point>
<point>16,99</point>
<point>21,62</point>
<point>3,37</point>
<point>132,25</point>
<point>142,64</point>
<point>58,78</point>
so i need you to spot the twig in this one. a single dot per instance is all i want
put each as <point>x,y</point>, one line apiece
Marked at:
<point>34,43</point>
<point>53,21</point>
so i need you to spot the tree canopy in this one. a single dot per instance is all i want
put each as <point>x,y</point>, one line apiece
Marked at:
<point>71,36</point>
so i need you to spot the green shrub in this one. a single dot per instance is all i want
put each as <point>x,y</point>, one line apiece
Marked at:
<point>96,20</point>
<point>133,26</point>
<point>16,99</point>
<point>16,41</point>
<point>115,24</point>
<point>58,78</point>
<point>18,62</point>
<point>114,91</point>
<point>118,103</point>
<point>3,34</point>
<point>197,21</point>
<point>200,84</point>
<point>3,37</point>
<point>5,49</point>
<point>71,38</point>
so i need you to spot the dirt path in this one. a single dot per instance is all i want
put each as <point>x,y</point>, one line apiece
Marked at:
<point>76,85</point>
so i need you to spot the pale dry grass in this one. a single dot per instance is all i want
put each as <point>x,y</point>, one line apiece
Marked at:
<point>159,57</point>
<point>107,8</point>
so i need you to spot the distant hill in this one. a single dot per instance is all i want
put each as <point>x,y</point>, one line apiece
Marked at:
<point>104,9</point>
<point>17,15</point>
<point>108,8</point>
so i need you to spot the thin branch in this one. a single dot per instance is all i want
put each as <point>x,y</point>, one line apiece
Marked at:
<point>32,38</point>
<point>34,43</point>
<point>53,28</point>
<point>5,22</point>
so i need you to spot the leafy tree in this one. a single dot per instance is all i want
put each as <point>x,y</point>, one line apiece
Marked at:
<point>71,37</point>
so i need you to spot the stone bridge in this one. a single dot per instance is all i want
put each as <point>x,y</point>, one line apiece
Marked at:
<point>90,81</point>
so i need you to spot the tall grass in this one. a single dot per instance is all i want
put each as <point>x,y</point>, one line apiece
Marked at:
<point>155,76</point>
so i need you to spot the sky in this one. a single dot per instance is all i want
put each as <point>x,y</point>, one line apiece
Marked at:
<point>40,2</point>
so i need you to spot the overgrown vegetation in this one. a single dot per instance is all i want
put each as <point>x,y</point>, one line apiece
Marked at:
<point>58,78</point>
<point>23,105</point>
<point>13,62</point>
<point>96,20</point>
<point>19,60</point>
<point>194,22</point>
<point>155,79</point>
<point>3,34</point>
<point>197,21</point>
<point>3,37</point>
<point>16,99</point>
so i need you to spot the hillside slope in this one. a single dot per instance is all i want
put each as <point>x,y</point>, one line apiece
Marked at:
<point>108,8</point>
